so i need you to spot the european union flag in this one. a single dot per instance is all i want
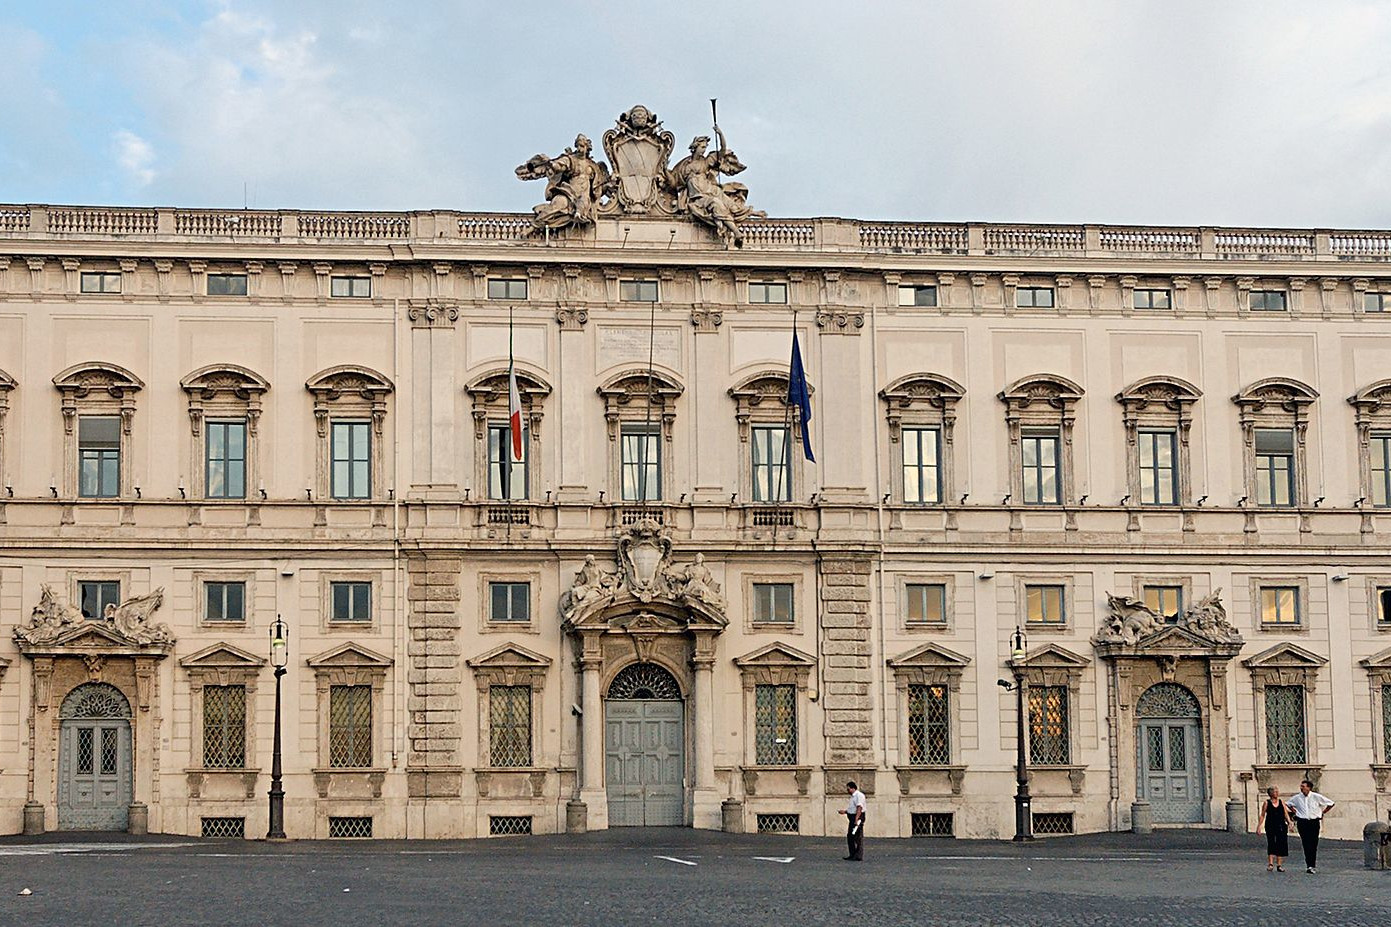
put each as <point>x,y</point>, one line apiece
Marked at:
<point>800,396</point>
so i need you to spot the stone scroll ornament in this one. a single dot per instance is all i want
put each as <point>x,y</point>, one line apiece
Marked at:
<point>52,621</point>
<point>641,182</point>
<point>1130,621</point>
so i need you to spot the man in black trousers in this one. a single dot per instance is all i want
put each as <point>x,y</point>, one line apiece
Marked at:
<point>1309,808</point>
<point>855,822</point>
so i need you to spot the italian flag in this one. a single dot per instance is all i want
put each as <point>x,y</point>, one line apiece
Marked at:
<point>514,411</point>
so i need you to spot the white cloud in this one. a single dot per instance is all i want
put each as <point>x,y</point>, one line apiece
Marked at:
<point>135,155</point>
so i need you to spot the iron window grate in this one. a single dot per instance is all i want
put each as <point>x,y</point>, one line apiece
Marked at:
<point>224,828</point>
<point>224,727</point>
<point>1386,723</point>
<point>1049,735</point>
<point>1284,725</point>
<point>779,823</point>
<point>929,739</point>
<point>509,725</point>
<point>349,828</point>
<point>509,825</point>
<point>933,824</point>
<point>775,725</point>
<point>1051,823</point>
<point>350,727</point>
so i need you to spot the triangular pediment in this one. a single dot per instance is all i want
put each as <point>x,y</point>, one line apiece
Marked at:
<point>929,654</point>
<point>1053,655</point>
<point>348,654</point>
<point>222,655</point>
<point>91,634</point>
<point>509,655</point>
<point>1174,637</point>
<point>1285,655</point>
<point>776,654</point>
<point>1381,661</point>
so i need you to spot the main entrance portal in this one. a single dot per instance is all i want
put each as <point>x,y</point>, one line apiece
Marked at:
<point>644,748</point>
<point>1171,754</point>
<point>94,767</point>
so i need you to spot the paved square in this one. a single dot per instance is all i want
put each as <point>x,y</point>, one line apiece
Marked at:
<point>683,877</point>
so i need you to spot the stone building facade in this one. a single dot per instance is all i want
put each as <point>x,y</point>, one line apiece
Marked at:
<point>1165,453</point>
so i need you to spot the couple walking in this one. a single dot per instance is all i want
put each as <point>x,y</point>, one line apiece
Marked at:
<point>1306,811</point>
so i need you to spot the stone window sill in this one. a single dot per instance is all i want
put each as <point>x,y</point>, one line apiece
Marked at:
<point>801,775</point>
<point>911,774</point>
<point>349,782</point>
<point>1267,772</point>
<point>199,776</point>
<point>535,775</point>
<point>1076,774</point>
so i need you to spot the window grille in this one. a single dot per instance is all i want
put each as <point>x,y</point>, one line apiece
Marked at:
<point>349,828</point>
<point>779,823</point>
<point>509,725</point>
<point>224,727</point>
<point>1049,823</point>
<point>1284,725</point>
<point>929,742</point>
<point>95,700</point>
<point>110,741</point>
<point>1167,700</point>
<point>644,681</point>
<point>922,471</point>
<point>84,751</point>
<point>224,828</point>
<point>933,824</point>
<point>775,738</point>
<point>510,825</point>
<point>1049,740</point>
<point>1386,724</point>
<point>350,727</point>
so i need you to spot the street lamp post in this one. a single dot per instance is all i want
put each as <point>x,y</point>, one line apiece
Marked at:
<point>1023,811</point>
<point>279,657</point>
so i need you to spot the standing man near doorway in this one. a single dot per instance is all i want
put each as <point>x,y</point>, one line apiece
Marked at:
<point>855,822</point>
<point>1309,808</point>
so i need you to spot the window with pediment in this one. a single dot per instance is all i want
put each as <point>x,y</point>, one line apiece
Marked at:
<point>224,410</point>
<point>1158,416</point>
<point>98,407</point>
<point>222,683</point>
<point>7,384</point>
<point>928,682</point>
<point>350,406</point>
<point>1053,680</point>
<point>770,437</point>
<point>495,469</point>
<point>350,682</point>
<point>510,681</point>
<point>1284,682</point>
<point>640,410</point>
<point>1372,413</point>
<point>1040,413</point>
<point>1274,417</point>
<point>775,681</point>
<point>921,413</point>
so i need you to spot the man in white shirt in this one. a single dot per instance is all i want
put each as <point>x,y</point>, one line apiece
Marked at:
<point>855,822</point>
<point>1309,808</point>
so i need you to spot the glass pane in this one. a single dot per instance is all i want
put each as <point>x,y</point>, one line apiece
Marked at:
<point>109,748</point>
<point>1274,441</point>
<point>85,752</point>
<point>99,431</point>
<point>215,600</point>
<point>342,601</point>
<point>1178,749</point>
<point>498,594</point>
<point>521,602</point>
<point>236,594</point>
<point>1155,740</point>
<point>362,597</point>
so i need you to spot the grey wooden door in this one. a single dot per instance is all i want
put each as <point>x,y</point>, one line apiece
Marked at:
<point>1171,769</point>
<point>94,774</point>
<point>645,763</point>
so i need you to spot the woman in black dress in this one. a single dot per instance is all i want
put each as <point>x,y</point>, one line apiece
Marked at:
<point>1275,818</point>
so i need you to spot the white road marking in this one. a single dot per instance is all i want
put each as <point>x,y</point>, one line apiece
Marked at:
<point>673,859</point>
<point>776,859</point>
<point>1047,859</point>
<point>56,848</point>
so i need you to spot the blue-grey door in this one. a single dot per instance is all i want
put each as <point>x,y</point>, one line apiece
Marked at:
<point>94,761</point>
<point>645,762</point>
<point>1171,755</point>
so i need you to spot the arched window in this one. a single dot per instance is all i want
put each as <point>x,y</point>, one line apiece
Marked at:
<point>640,409</point>
<point>494,468</point>
<point>95,700</point>
<point>921,412</point>
<point>1167,700</point>
<point>98,422</point>
<point>1040,412</point>
<point>224,407</point>
<point>644,681</point>
<point>1158,416</point>
<point>349,415</point>
<point>1274,415</point>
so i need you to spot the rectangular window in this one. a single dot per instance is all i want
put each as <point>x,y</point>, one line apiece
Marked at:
<point>509,725</point>
<point>1158,468</point>
<point>507,478</point>
<point>350,602</point>
<point>96,596</point>
<point>224,602</point>
<point>1384,611</point>
<point>352,454</point>
<point>1380,450</point>
<point>1268,301</point>
<point>1034,297</point>
<point>1153,299</point>
<point>99,456</point>
<point>772,463</point>
<point>1284,725</point>
<point>226,460</point>
<point>226,284</point>
<point>224,727</point>
<point>1274,466</point>
<point>1044,605</point>
<point>772,603</point>
<point>922,469</point>
<point>775,725</point>
<point>642,463</point>
<point>1280,605</point>
<point>507,288</point>
<point>1376,302</point>
<point>927,603</point>
<point>637,291</point>
<point>929,737</point>
<point>350,287</point>
<point>101,282</point>
<point>1386,723</point>
<point>767,292</point>
<point>917,296</point>
<point>1049,737</point>
<point>1039,456</point>
<point>1165,600</point>
<point>349,727</point>
<point>510,602</point>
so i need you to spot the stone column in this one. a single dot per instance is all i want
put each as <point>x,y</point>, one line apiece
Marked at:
<point>705,801</point>
<point>838,427</point>
<point>592,792</point>
<point>571,423</point>
<point>711,408</point>
<point>433,393</point>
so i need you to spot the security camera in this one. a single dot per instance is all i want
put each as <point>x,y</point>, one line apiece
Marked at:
<point>1004,684</point>
<point>576,710</point>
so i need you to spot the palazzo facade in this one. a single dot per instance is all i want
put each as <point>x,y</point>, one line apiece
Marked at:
<point>1164,453</point>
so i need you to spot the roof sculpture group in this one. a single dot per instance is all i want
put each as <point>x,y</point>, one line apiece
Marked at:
<point>580,189</point>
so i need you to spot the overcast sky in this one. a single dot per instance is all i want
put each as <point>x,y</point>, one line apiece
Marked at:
<point>1174,112</point>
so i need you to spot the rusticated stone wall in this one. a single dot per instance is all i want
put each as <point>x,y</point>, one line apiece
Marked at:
<point>845,601</point>
<point>434,675</point>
